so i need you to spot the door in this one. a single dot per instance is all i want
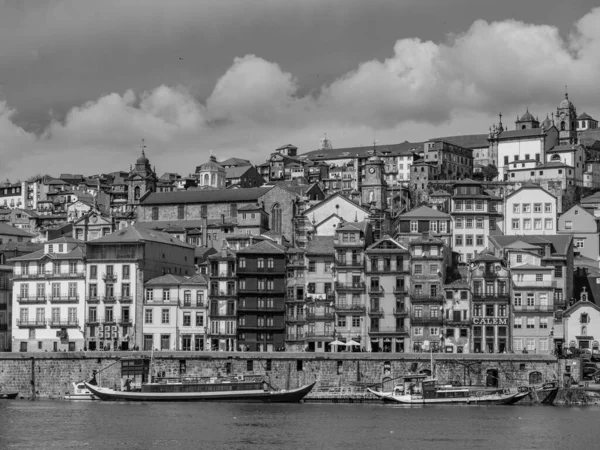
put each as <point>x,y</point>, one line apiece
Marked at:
<point>491,379</point>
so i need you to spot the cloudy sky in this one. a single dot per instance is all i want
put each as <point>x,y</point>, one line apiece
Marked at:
<point>83,81</point>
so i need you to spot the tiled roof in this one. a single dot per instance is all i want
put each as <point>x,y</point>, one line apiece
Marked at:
<point>484,256</point>
<point>205,196</point>
<point>353,226</point>
<point>427,239</point>
<point>529,185</point>
<point>530,267</point>
<point>440,193</point>
<point>165,280</point>
<point>560,242</point>
<point>466,141</point>
<point>320,245</point>
<point>250,207</point>
<point>197,278</point>
<point>584,116</point>
<point>424,212</point>
<point>235,161</point>
<point>236,172</point>
<point>76,253</point>
<point>594,198</point>
<point>135,233</point>
<point>264,247</point>
<point>9,230</point>
<point>520,245</point>
<point>528,132</point>
<point>404,148</point>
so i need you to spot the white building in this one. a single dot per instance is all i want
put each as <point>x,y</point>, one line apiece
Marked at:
<point>48,298</point>
<point>530,210</point>
<point>581,324</point>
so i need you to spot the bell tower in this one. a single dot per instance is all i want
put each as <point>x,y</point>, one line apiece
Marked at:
<point>374,187</point>
<point>566,116</point>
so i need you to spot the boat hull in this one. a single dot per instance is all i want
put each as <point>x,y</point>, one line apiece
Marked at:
<point>81,397</point>
<point>503,399</point>
<point>253,396</point>
<point>8,395</point>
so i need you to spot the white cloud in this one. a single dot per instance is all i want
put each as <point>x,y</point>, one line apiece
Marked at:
<point>424,89</point>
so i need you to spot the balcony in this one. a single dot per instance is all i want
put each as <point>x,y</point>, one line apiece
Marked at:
<point>261,309</point>
<point>337,242</point>
<point>67,299</point>
<point>296,263</point>
<point>223,334</point>
<point>62,323</point>
<point>323,297</point>
<point>457,323</point>
<point>223,275</point>
<point>294,337</point>
<point>426,320</point>
<point>420,297</point>
<point>125,321</point>
<point>525,284</point>
<point>294,299</point>
<point>222,314</point>
<point>295,318</point>
<point>223,294</point>
<point>349,264</point>
<point>109,277</point>
<point>317,334</point>
<point>32,300</point>
<point>125,299</point>
<point>533,308</point>
<point>376,291</point>
<point>358,286</point>
<point>319,315</point>
<point>482,297</point>
<point>376,312</point>
<point>259,327</point>
<point>400,290</point>
<point>109,299</point>
<point>110,321</point>
<point>400,312</point>
<point>92,320</point>
<point>268,270</point>
<point>387,331</point>
<point>350,309</point>
<point>93,299</point>
<point>26,323</point>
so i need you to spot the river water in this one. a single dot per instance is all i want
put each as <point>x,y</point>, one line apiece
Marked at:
<point>98,425</point>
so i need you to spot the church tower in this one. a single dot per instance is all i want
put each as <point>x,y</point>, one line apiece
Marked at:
<point>566,116</point>
<point>141,179</point>
<point>374,187</point>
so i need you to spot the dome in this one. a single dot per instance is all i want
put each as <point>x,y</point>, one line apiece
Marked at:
<point>547,123</point>
<point>527,117</point>
<point>142,159</point>
<point>374,158</point>
<point>212,166</point>
<point>566,103</point>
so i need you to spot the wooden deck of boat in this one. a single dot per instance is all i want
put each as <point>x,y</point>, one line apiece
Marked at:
<point>349,394</point>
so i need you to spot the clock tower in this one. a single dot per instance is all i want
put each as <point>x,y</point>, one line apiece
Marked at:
<point>374,188</point>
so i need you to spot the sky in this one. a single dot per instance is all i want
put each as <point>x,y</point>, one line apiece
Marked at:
<point>83,81</point>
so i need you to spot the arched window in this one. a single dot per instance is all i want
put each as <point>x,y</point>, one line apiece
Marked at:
<point>155,213</point>
<point>562,126</point>
<point>523,127</point>
<point>213,180</point>
<point>556,158</point>
<point>276,218</point>
<point>136,193</point>
<point>206,180</point>
<point>535,378</point>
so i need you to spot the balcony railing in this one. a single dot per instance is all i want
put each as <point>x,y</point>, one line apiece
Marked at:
<point>110,320</point>
<point>376,312</point>
<point>66,299</point>
<point>294,337</point>
<point>358,286</point>
<point>32,299</point>
<point>92,299</point>
<point>125,299</point>
<point>374,331</point>
<point>261,327</point>
<point>426,320</point>
<point>534,284</point>
<point>319,315</point>
<point>109,299</point>
<point>421,297</point>
<point>27,323</point>
<point>337,242</point>
<point>400,290</point>
<point>109,277</point>
<point>376,290</point>
<point>217,333</point>
<point>457,322</point>
<point>533,308</point>
<point>63,323</point>
<point>321,297</point>
<point>295,318</point>
<point>228,293</point>
<point>320,334</point>
<point>47,275</point>
<point>222,314</point>
<point>226,274</point>
<point>483,297</point>
<point>353,263</point>
<point>350,309</point>
<point>400,312</point>
<point>125,321</point>
<point>92,320</point>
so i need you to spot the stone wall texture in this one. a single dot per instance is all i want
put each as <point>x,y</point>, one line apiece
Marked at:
<point>54,373</point>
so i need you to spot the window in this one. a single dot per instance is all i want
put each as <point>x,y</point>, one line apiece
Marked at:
<point>537,207</point>
<point>548,224</point>
<point>531,322</point>
<point>458,240</point>
<point>579,243</point>
<point>516,208</point>
<point>537,224</point>
<point>355,321</point>
<point>518,299</point>
<point>414,226</point>
<point>558,271</point>
<point>526,208</point>
<point>568,224</point>
<point>165,316</point>
<point>502,310</point>
<point>548,207</point>
<point>515,224</point>
<point>479,240</point>
<point>458,205</point>
<point>148,316</point>
<point>166,295</point>
<point>518,322</point>
<point>530,299</point>
<point>312,266</point>
<point>479,205</point>
<point>187,319</point>
<point>469,205</point>
<point>459,222</point>
<point>199,319</point>
<point>270,263</point>
<point>527,224</point>
<point>260,263</point>
<point>126,271</point>
<point>479,223</point>
<point>519,259</point>
<point>155,213</point>
<point>341,321</point>
<point>418,269</point>
<point>165,341</point>
<point>469,223</point>
<point>543,322</point>
<point>469,240</point>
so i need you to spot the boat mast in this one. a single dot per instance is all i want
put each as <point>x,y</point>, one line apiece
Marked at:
<point>151,365</point>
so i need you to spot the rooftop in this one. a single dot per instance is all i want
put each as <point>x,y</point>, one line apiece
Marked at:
<point>135,233</point>
<point>205,196</point>
<point>424,212</point>
<point>320,245</point>
<point>403,149</point>
<point>264,247</point>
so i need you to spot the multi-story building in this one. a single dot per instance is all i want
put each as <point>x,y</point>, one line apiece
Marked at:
<point>175,313</point>
<point>454,162</point>
<point>261,297</point>
<point>6,273</point>
<point>490,286</point>
<point>9,233</point>
<point>118,266</point>
<point>222,299</point>
<point>295,301</point>
<point>474,216</point>
<point>387,269</point>
<point>457,315</point>
<point>350,241</point>
<point>48,298</point>
<point>412,224</point>
<point>320,298</point>
<point>428,261</point>
<point>530,210</point>
<point>584,227</point>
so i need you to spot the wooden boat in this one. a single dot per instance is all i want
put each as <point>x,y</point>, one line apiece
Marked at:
<point>229,390</point>
<point>8,395</point>
<point>80,393</point>
<point>422,390</point>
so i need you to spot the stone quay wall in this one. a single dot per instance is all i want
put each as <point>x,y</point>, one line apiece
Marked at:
<point>50,375</point>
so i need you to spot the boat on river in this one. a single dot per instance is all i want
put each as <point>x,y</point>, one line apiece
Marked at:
<point>193,390</point>
<point>423,390</point>
<point>80,393</point>
<point>8,395</point>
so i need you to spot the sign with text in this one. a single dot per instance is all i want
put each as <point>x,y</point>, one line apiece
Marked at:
<point>490,321</point>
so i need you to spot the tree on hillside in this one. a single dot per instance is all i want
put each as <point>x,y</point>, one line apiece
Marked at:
<point>490,172</point>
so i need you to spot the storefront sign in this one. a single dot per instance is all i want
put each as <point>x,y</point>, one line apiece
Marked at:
<point>490,321</point>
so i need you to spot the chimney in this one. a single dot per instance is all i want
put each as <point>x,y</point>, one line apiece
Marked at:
<point>204,231</point>
<point>547,250</point>
<point>222,218</point>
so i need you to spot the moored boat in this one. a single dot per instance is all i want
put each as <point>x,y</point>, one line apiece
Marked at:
<point>422,390</point>
<point>8,395</point>
<point>215,390</point>
<point>80,393</point>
